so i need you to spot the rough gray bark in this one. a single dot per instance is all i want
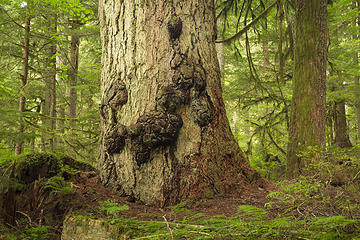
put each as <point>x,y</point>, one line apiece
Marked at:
<point>164,132</point>
<point>307,119</point>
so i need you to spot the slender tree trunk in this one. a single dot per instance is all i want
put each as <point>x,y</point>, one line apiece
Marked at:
<point>19,148</point>
<point>165,136</point>
<point>330,139</point>
<point>73,71</point>
<point>265,47</point>
<point>281,40</point>
<point>307,120</point>
<point>356,4</point>
<point>49,109</point>
<point>340,125</point>
<point>53,92</point>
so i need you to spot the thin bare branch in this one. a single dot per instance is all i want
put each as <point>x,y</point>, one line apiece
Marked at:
<point>248,26</point>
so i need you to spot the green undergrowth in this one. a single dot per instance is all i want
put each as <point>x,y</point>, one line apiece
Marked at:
<point>249,222</point>
<point>27,233</point>
<point>42,184</point>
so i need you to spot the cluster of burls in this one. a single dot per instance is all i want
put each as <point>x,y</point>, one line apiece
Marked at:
<point>161,126</point>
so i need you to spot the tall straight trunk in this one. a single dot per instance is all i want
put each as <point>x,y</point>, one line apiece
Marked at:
<point>73,71</point>
<point>356,4</point>
<point>281,40</point>
<point>340,125</point>
<point>61,105</point>
<point>49,109</point>
<point>19,148</point>
<point>165,136</point>
<point>53,89</point>
<point>307,119</point>
<point>330,139</point>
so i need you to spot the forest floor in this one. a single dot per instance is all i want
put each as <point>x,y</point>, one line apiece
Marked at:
<point>301,208</point>
<point>90,192</point>
<point>38,207</point>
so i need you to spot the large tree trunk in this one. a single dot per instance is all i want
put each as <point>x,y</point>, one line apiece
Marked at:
<point>164,132</point>
<point>19,148</point>
<point>307,120</point>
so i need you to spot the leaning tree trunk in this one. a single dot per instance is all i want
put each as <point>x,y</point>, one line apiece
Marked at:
<point>307,120</point>
<point>165,136</point>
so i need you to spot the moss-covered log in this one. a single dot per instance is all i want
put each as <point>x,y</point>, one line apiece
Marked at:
<point>24,179</point>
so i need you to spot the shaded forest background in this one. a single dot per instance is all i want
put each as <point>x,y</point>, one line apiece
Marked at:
<point>50,66</point>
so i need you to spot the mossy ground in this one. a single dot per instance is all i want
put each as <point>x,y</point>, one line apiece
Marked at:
<point>308,208</point>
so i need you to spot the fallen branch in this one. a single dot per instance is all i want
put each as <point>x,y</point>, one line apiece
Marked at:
<point>168,226</point>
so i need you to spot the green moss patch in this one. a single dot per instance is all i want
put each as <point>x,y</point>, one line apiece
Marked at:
<point>33,166</point>
<point>37,165</point>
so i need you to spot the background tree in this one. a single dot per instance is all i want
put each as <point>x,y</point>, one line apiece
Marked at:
<point>356,37</point>
<point>254,87</point>
<point>307,125</point>
<point>24,78</point>
<point>48,78</point>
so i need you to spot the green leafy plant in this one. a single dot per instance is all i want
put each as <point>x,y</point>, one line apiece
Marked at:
<point>179,210</point>
<point>58,185</point>
<point>112,208</point>
<point>68,169</point>
<point>37,233</point>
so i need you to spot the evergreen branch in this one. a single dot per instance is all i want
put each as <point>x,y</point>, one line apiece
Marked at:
<point>247,27</point>
<point>13,20</point>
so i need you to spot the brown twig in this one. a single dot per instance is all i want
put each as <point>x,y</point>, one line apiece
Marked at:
<point>168,226</point>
